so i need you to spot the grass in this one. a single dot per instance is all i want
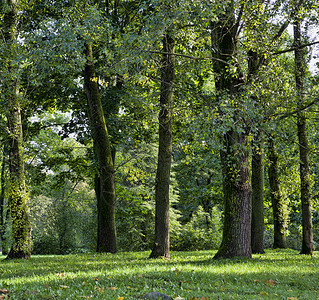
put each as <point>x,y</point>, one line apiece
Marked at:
<point>280,274</point>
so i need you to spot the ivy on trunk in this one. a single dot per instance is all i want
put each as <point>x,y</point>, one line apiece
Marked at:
<point>234,154</point>
<point>104,180</point>
<point>17,192</point>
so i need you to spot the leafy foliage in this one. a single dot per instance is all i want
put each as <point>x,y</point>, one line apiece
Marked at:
<point>126,35</point>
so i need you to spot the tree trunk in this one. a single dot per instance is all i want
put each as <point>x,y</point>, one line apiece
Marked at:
<point>257,184</point>
<point>237,198</point>
<point>278,204</point>
<point>105,187</point>
<point>17,192</point>
<point>257,166</point>
<point>161,245</point>
<point>234,156</point>
<point>305,191</point>
<point>2,201</point>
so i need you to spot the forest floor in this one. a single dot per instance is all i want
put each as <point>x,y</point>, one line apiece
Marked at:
<point>277,274</point>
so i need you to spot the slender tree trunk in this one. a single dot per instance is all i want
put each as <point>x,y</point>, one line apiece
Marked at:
<point>2,200</point>
<point>257,166</point>
<point>234,156</point>
<point>257,183</point>
<point>17,195</point>
<point>161,246</point>
<point>17,192</point>
<point>278,204</point>
<point>305,191</point>
<point>105,187</point>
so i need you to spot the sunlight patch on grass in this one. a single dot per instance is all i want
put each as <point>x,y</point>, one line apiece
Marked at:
<point>273,275</point>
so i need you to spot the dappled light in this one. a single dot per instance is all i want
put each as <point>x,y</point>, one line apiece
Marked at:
<point>277,274</point>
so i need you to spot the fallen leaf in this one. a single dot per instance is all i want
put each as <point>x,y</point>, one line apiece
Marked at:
<point>59,274</point>
<point>4,294</point>
<point>292,298</point>
<point>270,282</point>
<point>112,288</point>
<point>64,286</point>
<point>47,286</point>
<point>264,293</point>
<point>99,289</point>
<point>96,278</point>
<point>120,298</point>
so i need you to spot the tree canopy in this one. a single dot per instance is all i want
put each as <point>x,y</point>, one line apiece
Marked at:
<point>158,124</point>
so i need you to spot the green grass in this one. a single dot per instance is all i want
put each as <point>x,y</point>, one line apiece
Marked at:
<point>274,275</point>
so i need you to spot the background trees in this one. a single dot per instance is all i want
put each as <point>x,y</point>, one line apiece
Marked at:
<point>90,83</point>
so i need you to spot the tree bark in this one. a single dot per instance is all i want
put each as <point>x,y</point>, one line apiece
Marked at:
<point>161,245</point>
<point>237,198</point>
<point>257,166</point>
<point>105,187</point>
<point>2,201</point>
<point>305,191</point>
<point>234,156</point>
<point>278,204</point>
<point>17,195</point>
<point>257,183</point>
<point>17,192</point>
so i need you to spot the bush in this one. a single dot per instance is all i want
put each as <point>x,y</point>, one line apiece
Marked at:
<point>203,232</point>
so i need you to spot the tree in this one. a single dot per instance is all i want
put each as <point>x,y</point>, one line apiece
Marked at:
<point>17,191</point>
<point>305,190</point>
<point>257,182</point>
<point>278,204</point>
<point>234,153</point>
<point>162,181</point>
<point>104,181</point>
<point>3,210</point>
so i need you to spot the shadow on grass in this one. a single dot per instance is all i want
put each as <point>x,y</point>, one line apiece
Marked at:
<point>275,275</point>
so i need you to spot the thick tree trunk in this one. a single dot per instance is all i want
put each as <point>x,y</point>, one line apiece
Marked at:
<point>305,191</point>
<point>161,246</point>
<point>278,204</point>
<point>17,193</point>
<point>237,198</point>
<point>257,184</point>
<point>234,156</point>
<point>105,187</point>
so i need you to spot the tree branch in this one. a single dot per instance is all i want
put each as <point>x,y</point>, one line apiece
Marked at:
<point>188,56</point>
<point>295,48</point>
<point>291,16</point>
<point>283,116</point>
